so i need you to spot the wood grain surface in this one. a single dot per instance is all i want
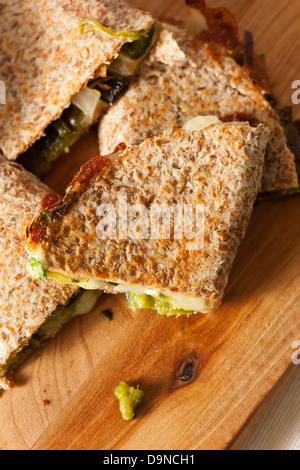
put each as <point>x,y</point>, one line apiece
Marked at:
<point>235,356</point>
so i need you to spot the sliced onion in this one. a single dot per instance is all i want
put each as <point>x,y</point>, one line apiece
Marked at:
<point>87,100</point>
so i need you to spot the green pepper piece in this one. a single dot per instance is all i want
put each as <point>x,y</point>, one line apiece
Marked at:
<point>129,398</point>
<point>138,48</point>
<point>36,269</point>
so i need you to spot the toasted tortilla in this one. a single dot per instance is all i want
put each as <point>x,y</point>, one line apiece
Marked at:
<point>219,167</point>
<point>207,81</point>
<point>25,303</point>
<point>45,60</point>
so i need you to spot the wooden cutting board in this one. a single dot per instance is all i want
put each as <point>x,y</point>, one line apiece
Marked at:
<point>203,376</point>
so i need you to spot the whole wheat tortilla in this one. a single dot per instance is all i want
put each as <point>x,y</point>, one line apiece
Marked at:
<point>25,303</point>
<point>45,61</point>
<point>219,167</point>
<point>206,81</point>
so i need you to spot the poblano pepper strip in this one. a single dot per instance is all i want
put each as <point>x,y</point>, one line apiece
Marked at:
<point>96,26</point>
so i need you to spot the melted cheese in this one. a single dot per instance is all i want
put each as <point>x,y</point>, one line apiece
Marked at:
<point>176,299</point>
<point>85,283</point>
<point>200,122</point>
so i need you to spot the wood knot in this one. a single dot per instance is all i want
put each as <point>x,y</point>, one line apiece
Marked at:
<point>187,371</point>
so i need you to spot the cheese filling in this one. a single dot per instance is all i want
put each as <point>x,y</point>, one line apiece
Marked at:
<point>164,301</point>
<point>201,122</point>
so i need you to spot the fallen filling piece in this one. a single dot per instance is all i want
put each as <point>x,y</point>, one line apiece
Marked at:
<point>129,398</point>
<point>82,303</point>
<point>87,105</point>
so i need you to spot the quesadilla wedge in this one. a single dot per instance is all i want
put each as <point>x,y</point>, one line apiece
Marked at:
<point>292,133</point>
<point>64,63</point>
<point>217,76</point>
<point>123,227</point>
<point>32,310</point>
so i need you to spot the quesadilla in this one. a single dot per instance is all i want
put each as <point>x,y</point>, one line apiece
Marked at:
<point>32,310</point>
<point>123,227</point>
<point>218,77</point>
<point>292,133</point>
<point>64,63</point>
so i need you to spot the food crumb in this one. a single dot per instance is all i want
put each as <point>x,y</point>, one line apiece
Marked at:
<point>129,399</point>
<point>107,314</point>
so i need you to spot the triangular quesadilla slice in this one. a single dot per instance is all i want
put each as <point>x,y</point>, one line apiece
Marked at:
<point>32,310</point>
<point>209,80</point>
<point>161,221</point>
<point>63,63</point>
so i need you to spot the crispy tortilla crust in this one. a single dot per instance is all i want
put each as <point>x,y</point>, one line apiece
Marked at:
<point>49,200</point>
<point>223,30</point>
<point>86,172</point>
<point>45,60</point>
<point>52,208</point>
<point>25,303</point>
<point>219,167</point>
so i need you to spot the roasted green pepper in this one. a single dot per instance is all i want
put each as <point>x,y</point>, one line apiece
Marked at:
<point>161,303</point>
<point>129,398</point>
